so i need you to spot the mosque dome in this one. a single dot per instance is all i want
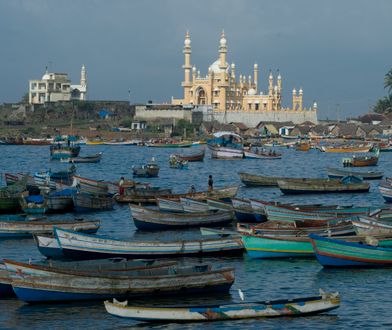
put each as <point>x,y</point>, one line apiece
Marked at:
<point>215,67</point>
<point>251,92</point>
<point>46,76</point>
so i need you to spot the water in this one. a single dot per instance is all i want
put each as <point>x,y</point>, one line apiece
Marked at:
<point>365,293</point>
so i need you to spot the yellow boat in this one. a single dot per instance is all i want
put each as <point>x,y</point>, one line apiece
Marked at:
<point>346,149</point>
<point>93,142</point>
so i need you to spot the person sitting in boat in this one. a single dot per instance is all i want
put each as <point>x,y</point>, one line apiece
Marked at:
<point>121,188</point>
<point>273,153</point>
<point>270,152</point>
<point>192,189</point>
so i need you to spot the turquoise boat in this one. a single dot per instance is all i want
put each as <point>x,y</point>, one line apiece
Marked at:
<point>265,247</point>
<point>339,253</point>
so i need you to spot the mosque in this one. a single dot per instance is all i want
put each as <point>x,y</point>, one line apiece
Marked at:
<point>55,87</point>
<point>232,98</point>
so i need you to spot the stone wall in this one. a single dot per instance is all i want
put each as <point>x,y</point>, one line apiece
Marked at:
<point>251,119</point>
<point>144,113</point>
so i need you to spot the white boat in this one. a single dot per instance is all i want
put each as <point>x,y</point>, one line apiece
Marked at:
<point>226,145</point>
<point>191,205</point>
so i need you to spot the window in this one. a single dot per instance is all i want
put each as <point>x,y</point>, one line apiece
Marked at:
<point>250,106</point>
<point>256,106</point>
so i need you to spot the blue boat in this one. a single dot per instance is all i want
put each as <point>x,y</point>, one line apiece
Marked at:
<point>338,253</point>
<point>163,281</point>
<point>48,246</point>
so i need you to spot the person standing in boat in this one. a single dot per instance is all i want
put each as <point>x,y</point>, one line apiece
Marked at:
<point>210,183</point>
<point>121,188</point>
<point>192,190</point>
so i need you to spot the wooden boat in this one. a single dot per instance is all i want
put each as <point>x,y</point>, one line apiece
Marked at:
<point>285,213</point>
<point>302,147</point>
<point>10,197</point>
<point>335,173</point>
<point>99,266</point>
<point>216,204</point>
<point>149,170</point>
<point>170,145</point>
<point>86,185</point>
<point>332,252</point>
<point>325,302</point>
<point>82,246</point>
<point>61,201</point>
<point>218,193</point>
<point>147,219</point>
<point>253,180</point>
<point>146,196</point>
<point>161,281</point>
<point>387,195</point>
<point>306,186</point>
<point>195,157</point>
<point>48,246</point>
<point>372,226</point>
<point>59,151</point>
<point>280,229</point>
<point>95,142</point>
<point>96,158</point>
<point>262,155</point>
<point>86,202</point>
<point>243,210</point>
<point>191,205</point>
<point>168,205</point>
<point>361,161</point>
<point>177,162</point>
<point>346,148</point>
<point>120,143</point>
<point>266,247</point>
<point>226,145</point>
<point>29,228</point>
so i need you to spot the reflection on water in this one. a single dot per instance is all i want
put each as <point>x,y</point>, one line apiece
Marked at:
<point>365,293</point>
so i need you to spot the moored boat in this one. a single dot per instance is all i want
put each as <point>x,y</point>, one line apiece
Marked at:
<point>226,145</point>
<point>28,228</point>
<point>346,148</point>
<point>335,173</point>
<point>325,302</point>
<point>147,219</point>
<point>371,252</point>
<point>305,186</point>
<point>96,158</point>
<point>161,281</point>
<point>217,193</point>
<point>194,157</point>
<point>254,180</point>
<point>86,202</point>
<point>149,170</point>
<point>362,161</point>
<point>262,155</point>
<point>83,246</point>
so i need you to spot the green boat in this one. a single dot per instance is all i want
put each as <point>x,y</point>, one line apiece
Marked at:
<point>9,197</point>
<point>265,247</point>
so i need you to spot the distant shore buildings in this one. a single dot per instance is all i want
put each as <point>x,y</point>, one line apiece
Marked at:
<point>54,87</point>
<point>237,98</point>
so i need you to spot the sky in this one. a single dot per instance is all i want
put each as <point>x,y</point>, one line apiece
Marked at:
<point>338,51</point>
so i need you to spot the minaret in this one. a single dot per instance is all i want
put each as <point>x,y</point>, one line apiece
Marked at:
<point>256,76</point>
<point>233,72</point>
<point>83,83</point>
<point>223,51</point>
<point>300,99</point>
<point>187,68</point>
<point>270,83</point>
<point>295,100</point>
<point>279,83</point>
<point>83,76</point>
<point>223,66</point>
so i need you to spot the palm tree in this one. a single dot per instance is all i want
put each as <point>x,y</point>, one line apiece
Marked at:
<point>388,81</point>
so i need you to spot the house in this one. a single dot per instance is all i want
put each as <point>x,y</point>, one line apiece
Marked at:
<point>241,128</point>
<point>300,130</point>
<point>209,127</point>
<point>345,130</point>
<point>367,130</point>
<point>319,131</point>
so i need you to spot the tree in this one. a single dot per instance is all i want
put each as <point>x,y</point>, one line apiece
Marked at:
<point>384,105</point>
<point>388,81</point>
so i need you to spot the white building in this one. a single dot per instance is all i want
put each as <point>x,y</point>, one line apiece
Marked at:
<point>54,87</point>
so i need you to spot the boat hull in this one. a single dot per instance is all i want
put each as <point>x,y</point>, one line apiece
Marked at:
<point>337,253</point>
